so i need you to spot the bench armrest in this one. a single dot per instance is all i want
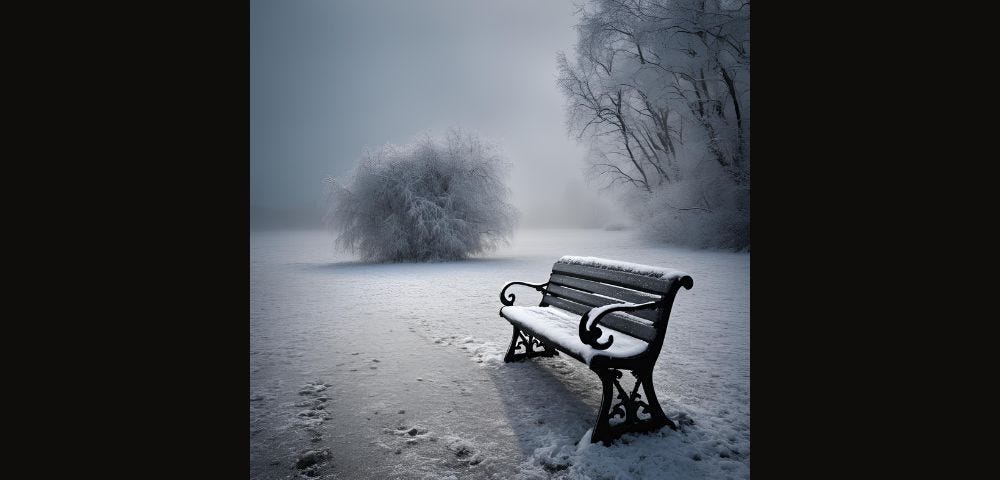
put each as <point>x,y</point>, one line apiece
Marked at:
<point>509,300</point>
<point>590,332</point>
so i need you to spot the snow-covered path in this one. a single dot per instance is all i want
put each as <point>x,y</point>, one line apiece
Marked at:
<point>395,371</point>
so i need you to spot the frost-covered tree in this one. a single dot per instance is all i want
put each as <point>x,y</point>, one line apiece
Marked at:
<point>659,90</point>
<point>427,201</point>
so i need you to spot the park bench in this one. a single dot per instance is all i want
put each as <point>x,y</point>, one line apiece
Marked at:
<point>610,315</point>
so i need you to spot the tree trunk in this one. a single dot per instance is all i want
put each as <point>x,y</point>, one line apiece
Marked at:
<point>739,117</point>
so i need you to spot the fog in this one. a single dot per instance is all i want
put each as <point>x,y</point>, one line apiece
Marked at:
<point>329,79</point>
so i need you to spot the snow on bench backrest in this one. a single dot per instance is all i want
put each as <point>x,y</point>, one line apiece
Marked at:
<point>656,280</point>
<point>626,267</point>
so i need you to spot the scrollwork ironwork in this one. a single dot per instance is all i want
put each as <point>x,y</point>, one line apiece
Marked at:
<point>629,403</point>
<point>591,335</point>
<point>532,346</point>
<point>508,300</point>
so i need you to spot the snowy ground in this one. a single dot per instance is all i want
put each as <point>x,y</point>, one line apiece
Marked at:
<point>395,371</point>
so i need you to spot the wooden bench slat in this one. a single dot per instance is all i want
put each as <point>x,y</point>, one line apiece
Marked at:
<point>623,322</point>
<point>598,301</point>
<point>565,304</point>
<point>630,325</point>
<point>613,291</point>
<point>623,279</point>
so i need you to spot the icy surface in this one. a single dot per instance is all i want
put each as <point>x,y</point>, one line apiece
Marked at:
<point>319,320</point>
<point>563,328</point>
<point>627,267</point>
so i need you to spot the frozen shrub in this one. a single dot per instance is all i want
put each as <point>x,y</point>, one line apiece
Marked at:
<point>427,201</point>
<point>703,210</point>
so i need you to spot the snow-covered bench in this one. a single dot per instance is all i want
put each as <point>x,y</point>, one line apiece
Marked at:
<point>609,315</point>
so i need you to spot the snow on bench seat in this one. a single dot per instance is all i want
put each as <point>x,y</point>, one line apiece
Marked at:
<point>562,328</point>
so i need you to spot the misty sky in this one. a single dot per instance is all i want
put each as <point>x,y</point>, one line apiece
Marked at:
<point>331,77</point>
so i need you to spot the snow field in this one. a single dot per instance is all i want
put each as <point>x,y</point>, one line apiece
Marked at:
<point>390,349</point>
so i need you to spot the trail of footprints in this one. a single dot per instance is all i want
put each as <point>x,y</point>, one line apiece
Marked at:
<point>310,462</point>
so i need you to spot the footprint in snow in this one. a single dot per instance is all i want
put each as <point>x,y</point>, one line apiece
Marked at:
<point>410,431</point>
<point>683,420</point>
<point>313,388</point>
<point>309,461</point>
<point>463,450</point>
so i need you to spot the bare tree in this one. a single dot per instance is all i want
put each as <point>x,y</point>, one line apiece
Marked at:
<point>659,86</point>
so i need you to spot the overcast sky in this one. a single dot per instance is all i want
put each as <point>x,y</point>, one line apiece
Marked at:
<point>331,77</point>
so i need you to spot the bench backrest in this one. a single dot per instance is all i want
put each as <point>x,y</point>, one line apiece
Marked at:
<point>578,284</point>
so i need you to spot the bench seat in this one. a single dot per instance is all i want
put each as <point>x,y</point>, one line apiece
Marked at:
<point>559,329</point>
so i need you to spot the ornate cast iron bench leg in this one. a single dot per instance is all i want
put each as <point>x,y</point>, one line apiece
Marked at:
<point>529,343</point>
<point>653,405</point>
<point>628,406</point>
